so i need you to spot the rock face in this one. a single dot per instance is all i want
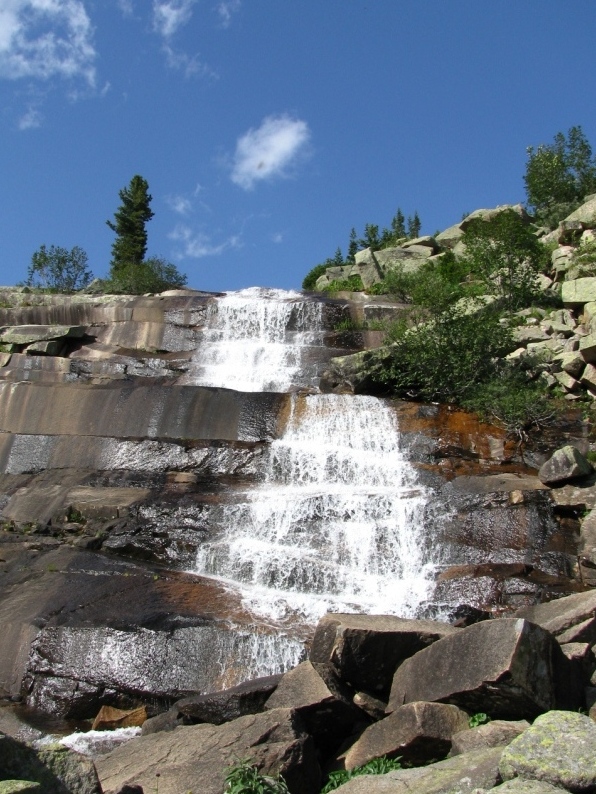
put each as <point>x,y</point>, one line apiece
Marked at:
<point>571,619</point>
<point>496,733</point>
<point>194,758</point>
<point>507,667</point>
<point>559,748</point>
<point>565,464</point>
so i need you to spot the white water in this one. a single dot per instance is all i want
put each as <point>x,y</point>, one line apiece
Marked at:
<point>259,340</point>
<point>338,525</point>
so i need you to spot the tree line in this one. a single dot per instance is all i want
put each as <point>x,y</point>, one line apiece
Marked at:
<point>59,270</point>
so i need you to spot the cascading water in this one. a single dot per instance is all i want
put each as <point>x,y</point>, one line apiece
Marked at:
<point>259,340</point>
<point>338,523</point>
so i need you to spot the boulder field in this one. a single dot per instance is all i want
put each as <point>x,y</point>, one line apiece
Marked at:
<point>373,687</point>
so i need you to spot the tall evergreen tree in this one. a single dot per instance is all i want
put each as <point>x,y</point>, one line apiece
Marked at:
<point>130,245</point>
<point>414,226</point>
<point>398,224</point>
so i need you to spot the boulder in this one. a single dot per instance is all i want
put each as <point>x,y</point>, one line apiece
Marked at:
<point>462,774</point>
<point>571,362</point>
<point>586,214</point>
<point>520,785</point>
<point>28,334</point>
<point>324,704</point>
<point>496,733</point>
<point>416,732</point>
<point>367,267</point>
<point>569,619</point>
<point>18,786</point>
<point>559,748</point>
<point>219,707</point>
<point>449,237</point>
<point>509,668</point>
<point>578,291</point>
<point>587,348</point>
<point>366,650</point>
<point>565,464</point>
<point>195,757</point>
<point>55,768</point>
<point>491,214</point>
<point>110,718</point>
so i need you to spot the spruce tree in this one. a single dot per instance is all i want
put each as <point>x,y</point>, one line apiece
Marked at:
<point>414,226</point>
<point>352,246</point>
<point>130,246</point>
<point>398,225</point>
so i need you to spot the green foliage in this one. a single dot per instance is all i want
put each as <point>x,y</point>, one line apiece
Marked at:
<point>506,256</point>
<point>58,269</point>
<point>414,226</point>
<point>478,719</point>
<point>559,175</point>
<point>352,246</point>
<point>378,766</point>
<point>510,398</point>
<point>310,280</point>
<point>583,259</point>
<point>244,778</point>
<point>351,284</point>
<point>371,237</point>
<point>445,358</point>
<point>130,246</point>
<point>153,275</point>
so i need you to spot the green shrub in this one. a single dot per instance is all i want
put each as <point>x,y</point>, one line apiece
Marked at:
<point>153,275</point>
<point>506,256</point>
<point>56,269</point>
<point>351,284</point>
<point>446,358</point>
<point>244,778</point>
<point>378,766</point>
<point>510,398</point>
<point>559,175</point>
<point>310,280</point>
<point>479,718</point>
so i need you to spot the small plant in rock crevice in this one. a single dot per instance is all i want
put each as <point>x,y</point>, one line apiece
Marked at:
<point>245,778</point>
<point>480,718</point>
<point>378,766</point>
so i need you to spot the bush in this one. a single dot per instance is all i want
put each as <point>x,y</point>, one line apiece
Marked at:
<point>310,280</point>
<point>58,269</point>
<point>153,275</point>
<point>446,358</point>
<point>514,401</point>
<point>559,175</point>
<point>506,256</point>
<point>351,284</point>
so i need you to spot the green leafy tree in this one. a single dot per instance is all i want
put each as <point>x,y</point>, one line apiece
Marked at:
<point>130,246</point>
<point>153,275</point>
<point>59,269</point>
<point>559,175</point>
<point>506,256</point>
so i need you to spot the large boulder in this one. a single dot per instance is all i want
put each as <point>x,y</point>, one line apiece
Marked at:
<point>586,214</point>
<point>496,733</point>
<point>462,774</point>
<point>416,732</point>
<point>565,464</point>
<point>195,757</point>
<point>569,619</point>
<point>366,650</point>
<point>323,702</point>
<point>509,668</point>
<point>559,748</point>
<point>55,768</point>
<point>578,291</point>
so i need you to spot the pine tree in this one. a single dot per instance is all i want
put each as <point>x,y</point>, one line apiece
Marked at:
<point>398,225</point>
<point>338,259</point>
<point>353,246</point>
<point>130,245</point>
<point>414,226</point>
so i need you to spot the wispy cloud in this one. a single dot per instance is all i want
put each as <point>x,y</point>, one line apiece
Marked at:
<point>170,15</point>
<point>226,10</point>
<point>46,38</point>
<point>126,7</point>
<point>196,245</point>
<point>31,119</point>
<point>269,150</point>
<point>179,204</point>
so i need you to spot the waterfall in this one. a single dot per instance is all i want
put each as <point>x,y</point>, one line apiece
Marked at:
<point>338,522</point>
<point>337,525</point>
<point>259,340</point>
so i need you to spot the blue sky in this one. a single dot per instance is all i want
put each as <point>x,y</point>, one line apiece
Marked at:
<point>268,128</point>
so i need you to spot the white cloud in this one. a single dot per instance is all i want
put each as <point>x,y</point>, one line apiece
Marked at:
<point>277,237</point>
<point>46,38</point>
<point>126,7</point>
<point>269,151</point>
<point>179,204</point>
<point>197,245</point>
<point>226,9</point>
<point>30,120</point>
<point>169,15</point>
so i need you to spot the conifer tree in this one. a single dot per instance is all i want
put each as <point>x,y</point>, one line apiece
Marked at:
<point>130,246</point>
<point>353,245</point>
<point>338,259</point>
<point>398,225</point>
<point>414,226</point>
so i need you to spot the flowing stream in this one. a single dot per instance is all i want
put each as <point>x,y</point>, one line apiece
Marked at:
<point>338,522</point>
